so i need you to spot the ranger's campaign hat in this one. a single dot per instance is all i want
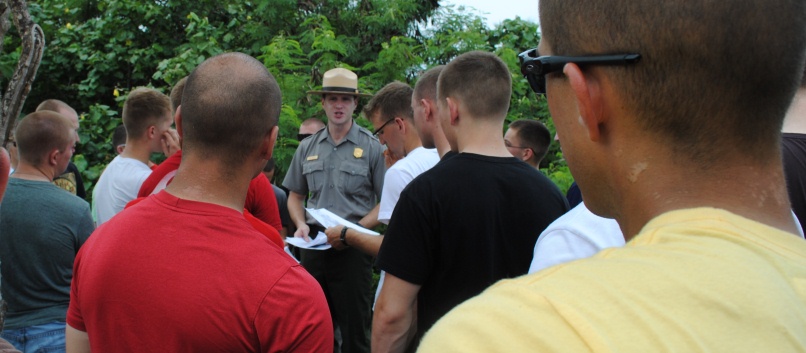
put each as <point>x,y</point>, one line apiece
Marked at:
<point>340,81</point>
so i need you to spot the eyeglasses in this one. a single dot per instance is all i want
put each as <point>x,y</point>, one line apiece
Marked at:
<point>301,137</point>
<point>509,145</point>
<point>535,68</point>
<point>380,129</point>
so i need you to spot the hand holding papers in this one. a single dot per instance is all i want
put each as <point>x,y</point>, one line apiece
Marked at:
<point>326,219</point>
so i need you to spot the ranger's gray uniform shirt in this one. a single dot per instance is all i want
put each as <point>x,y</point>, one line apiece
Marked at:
<point>345,178</point>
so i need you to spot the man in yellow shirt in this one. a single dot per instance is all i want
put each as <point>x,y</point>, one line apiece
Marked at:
<point>669,114</point>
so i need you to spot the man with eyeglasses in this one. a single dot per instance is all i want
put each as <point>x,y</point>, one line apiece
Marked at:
<point>342,168</point>
<point>682,148</point>
<point>528,140</point>
<point>467,222</point>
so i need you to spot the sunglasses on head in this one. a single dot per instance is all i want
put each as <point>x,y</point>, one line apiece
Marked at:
<point>535,67</point>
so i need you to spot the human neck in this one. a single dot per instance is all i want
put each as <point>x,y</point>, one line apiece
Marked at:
<point>207,180</point>
<point>31,172</point>
<point>481,137</point>
<point>795,120</point>
<point>441,142</point>
<point>652,187</point>
<point>412,141</point>
<point>137,149</point>
<point>338,132</point>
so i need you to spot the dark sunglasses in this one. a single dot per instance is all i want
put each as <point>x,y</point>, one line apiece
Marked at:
<point>380,129</point>
<point>535,67</point>
<point>301,137</point>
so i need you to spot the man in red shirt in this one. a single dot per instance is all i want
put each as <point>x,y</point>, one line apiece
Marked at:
<point>206,280</point>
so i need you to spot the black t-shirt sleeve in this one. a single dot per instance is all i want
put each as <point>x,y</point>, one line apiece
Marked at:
<point>407,248</point>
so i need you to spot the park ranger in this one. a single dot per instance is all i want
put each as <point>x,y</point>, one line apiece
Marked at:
<point>340,168</point>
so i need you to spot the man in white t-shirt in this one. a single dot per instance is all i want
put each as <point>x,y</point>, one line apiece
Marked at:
<point>148,119</point>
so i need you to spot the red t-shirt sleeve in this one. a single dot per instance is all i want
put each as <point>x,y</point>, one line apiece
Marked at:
<point>264,229</point>
<point>296,295</point>
<point>74,318</point>
<point>167,166</point>
<point>262,203</point>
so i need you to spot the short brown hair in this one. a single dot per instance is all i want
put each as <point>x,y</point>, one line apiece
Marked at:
<point>534,135</point>
<point>480,80</point>
<point>40,133</point>
<point>144,107</point>
<point>393,100</point>
<point>426,86</point>
<point>53,105</point>
<point>715,77</point>
<point>230,103</point>
<point>176,94</point>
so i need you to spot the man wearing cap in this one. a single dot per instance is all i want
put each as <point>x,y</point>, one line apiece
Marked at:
<point>342,167</point>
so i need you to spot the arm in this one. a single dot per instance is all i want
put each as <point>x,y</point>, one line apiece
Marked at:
<point>371,219</point>
<point>76,341</point>
<point>395,310</point>
<point>366,243</point>
<point>262,202</point>
<point>297,213</point>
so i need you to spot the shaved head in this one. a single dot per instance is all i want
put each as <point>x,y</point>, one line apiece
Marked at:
<point>229,104</point>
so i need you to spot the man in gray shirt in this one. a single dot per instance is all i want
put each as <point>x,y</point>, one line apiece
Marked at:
<point>41,229</point>
<point>342,167</point>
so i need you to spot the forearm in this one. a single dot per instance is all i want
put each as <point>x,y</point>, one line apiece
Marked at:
<point>371,219</point>
<point>295,209</point>
<point>76,341</point>
<point>366,243</point>
<point>390,332</point>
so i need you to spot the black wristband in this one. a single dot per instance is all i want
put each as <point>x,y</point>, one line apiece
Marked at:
<point>343,236</point>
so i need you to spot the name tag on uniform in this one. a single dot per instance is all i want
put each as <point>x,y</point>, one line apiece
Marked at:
<point>358,152</point>
<point>312,158</point>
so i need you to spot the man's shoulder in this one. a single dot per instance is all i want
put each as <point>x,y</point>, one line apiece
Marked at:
<point>57,197</point>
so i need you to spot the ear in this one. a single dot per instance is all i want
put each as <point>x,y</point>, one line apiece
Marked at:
<point>528,154</point>
<point>453,109</point>
<point>587,93</point>
<point>53,157</point>
<point>152,132</point>
<point>178,122</point>
<point>267,146</point>
<point>427,109</point>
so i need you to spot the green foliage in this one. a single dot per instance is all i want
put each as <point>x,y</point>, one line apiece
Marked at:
<point>98,50</point>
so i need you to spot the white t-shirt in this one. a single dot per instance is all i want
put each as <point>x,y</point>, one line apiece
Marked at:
<point>119,184</point>
<point>400,174</point>
<point>397,177</point>
<point>577,234</point>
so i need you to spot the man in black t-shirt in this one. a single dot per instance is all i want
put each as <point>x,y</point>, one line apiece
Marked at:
<point>471,220</point>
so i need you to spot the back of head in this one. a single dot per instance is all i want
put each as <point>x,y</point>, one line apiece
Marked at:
<point>230,103</point>
<point>426,87</point>
<point>176,93</point>
<point>533,134</point>
<point>55,105</point>
<point>314,123</point>
<point>144,107</point>
<point>40,133</point>
<point>715,77</point>
<point>393,100</point>
<point>481,81</point>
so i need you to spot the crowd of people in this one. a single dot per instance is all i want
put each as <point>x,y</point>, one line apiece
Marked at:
<point>688,147</point>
